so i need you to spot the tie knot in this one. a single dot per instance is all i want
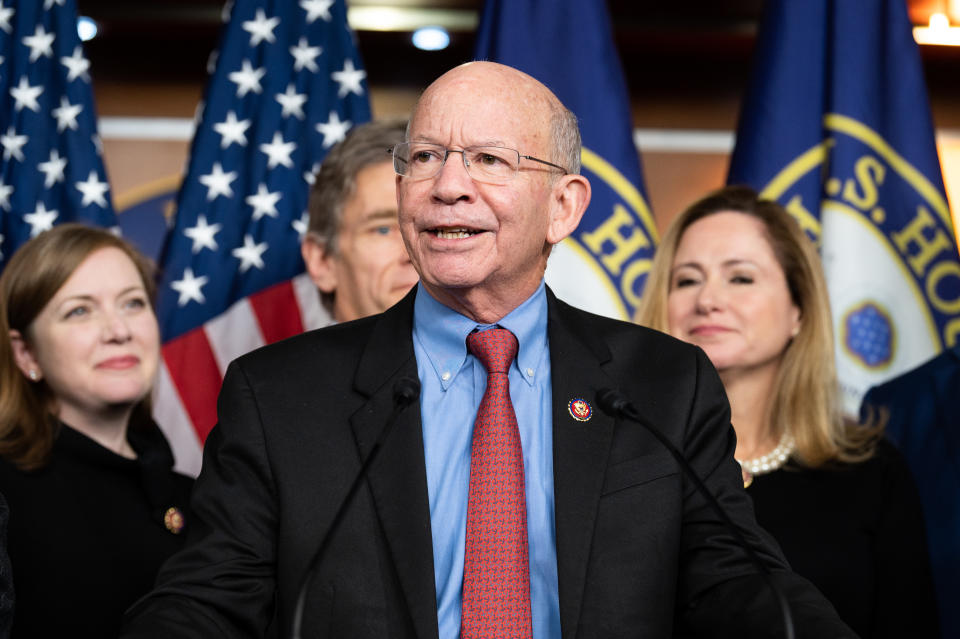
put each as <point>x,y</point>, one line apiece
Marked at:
<point>495,348</point>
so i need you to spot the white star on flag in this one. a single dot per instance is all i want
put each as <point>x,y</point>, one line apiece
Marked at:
<point>317,9</point>
<point>300,225</point>
<point>40,220</point>
<point>264,202</point>
<point>52,169</point>
<point>250,253</point>
<point>40,44</point>
<point>77,65</point>
<point>305,56</point>
<point>278,151</point>
<point>333,130</point>
<point>189,288</point>
<point>12,144</point>
<point>203,234</point>
<point>218,182</point>
<point>5,192</point>
<point>232,130</point>
<point>25,95</point>
<point>5,15</point>
<point>66,114</point>
<point>292,102</point>
<point>93,190</point>
<point>247,79</point>
<point>349,79</point>
<point>261,28</point>
<point>48,4</point>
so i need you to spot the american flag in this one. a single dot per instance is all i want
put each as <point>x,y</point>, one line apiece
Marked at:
<point>51,169</point>
<point>286,85</point>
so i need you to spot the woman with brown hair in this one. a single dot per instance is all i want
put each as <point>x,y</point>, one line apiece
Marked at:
<point>95,506</point>
<point>736,276</point>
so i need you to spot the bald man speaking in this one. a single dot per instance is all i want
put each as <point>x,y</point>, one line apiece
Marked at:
<point>500,500</point>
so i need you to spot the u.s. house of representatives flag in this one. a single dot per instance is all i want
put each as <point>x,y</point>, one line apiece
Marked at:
<point>51,170</point>
<point>569,47</point>
<point>837,128</point>
<point>287,84</point>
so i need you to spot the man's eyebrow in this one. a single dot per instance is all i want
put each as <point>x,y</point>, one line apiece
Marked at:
<point>428,140</point>
<point>382,214</point>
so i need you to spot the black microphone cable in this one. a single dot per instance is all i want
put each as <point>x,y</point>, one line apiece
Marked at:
<point>406,390</point>
<point>613,402</point>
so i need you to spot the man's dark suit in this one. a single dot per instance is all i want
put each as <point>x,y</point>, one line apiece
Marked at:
<point>634,541</point>
<point>923,410</point>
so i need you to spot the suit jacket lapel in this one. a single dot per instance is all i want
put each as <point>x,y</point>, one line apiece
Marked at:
<point>397,477</point>
<point>580,450</point>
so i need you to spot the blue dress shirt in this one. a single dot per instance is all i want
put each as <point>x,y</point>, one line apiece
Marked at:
<point>452,386</point>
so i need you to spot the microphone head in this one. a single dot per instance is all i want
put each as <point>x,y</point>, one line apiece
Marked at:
<point>406,389</point>
<point>612,401</point>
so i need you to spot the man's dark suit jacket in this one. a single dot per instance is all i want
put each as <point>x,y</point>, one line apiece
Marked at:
<point>639,553</point>
<point>923,407</point>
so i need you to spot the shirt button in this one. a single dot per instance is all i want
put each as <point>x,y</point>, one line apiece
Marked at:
<point>529,372</point>
<point>446,376</point>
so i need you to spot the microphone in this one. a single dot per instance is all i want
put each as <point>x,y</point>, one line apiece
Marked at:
<point>406,390</point>
<point>615,403</point>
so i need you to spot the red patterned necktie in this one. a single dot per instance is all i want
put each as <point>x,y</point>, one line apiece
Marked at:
<point>496,567</point>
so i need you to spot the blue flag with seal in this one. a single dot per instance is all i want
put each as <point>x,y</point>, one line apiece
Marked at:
<point>51,165</point>
<point>603,266</point>
<point>836,127</point>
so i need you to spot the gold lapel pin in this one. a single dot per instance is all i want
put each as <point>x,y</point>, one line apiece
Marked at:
<point>173,520</point>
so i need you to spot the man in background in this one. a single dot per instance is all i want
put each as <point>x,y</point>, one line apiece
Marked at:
<point>352,248</point>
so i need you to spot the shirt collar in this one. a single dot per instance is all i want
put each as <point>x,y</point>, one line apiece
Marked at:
<point>442,333</point>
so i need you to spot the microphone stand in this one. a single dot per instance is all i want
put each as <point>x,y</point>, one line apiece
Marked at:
<point>615,403</point>
<point>405,391</point>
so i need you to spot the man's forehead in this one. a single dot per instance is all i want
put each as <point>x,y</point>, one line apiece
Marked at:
<point>472,114</point>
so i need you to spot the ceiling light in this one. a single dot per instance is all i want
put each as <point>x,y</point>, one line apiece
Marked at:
<point>431,38</point>
<point>939,32</point>
<point>86,28</point>
<point>384,18</point>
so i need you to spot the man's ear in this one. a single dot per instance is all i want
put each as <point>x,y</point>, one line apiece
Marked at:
<point>319,263</point>
<point>23,356</point>
<point>570,197</point>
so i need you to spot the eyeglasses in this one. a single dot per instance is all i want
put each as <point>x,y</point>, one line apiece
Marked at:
<point>488,164</point>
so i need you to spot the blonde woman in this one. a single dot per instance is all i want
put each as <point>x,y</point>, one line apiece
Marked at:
<point>736,276</point>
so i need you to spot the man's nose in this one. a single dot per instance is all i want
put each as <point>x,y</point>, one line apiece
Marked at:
<point>453,183</point>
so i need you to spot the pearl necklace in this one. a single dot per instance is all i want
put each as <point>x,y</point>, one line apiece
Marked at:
<point>769,462</point>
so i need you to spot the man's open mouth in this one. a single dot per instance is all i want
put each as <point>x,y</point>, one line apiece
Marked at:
<point>455,233</point>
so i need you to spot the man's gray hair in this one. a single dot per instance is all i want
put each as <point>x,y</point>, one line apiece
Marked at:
<point>566,138</point>
<point>365,145</point>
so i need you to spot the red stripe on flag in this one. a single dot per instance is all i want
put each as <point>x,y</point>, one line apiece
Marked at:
<point>196,376</point>
<point>277,312</point>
